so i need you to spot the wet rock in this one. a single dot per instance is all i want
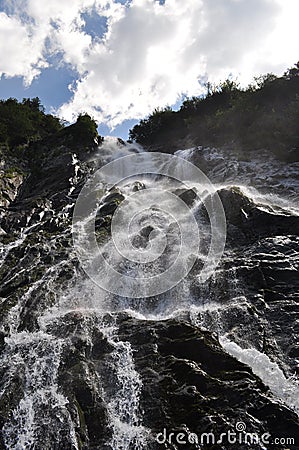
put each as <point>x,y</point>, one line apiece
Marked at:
<point>110,203</point>
<point>138,186</point>
<point>146,231</point>
<point>116,196</point>
<point>252,221</point>
<point>82,391</point>
<point>2,341</point>
<point>269,268</point>
<point>107,209</point>
<point>187,195</point>
<point>190,383</point>
<point>11,395</point>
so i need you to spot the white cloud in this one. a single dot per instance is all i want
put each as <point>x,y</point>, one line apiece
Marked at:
<point>151,53</point>
<point>18,57</point>
<point>138,66</point>
<point>32,31</point>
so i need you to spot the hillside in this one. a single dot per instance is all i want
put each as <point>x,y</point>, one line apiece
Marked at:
<point>265,115</point>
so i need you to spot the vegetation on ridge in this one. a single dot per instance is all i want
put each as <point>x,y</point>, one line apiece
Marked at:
<point>82,132</point>
<point>264,115</point>
<point>22,122</point>
<point>25,122</point>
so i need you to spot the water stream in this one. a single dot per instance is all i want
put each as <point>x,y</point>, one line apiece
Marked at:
<point>34,356</point>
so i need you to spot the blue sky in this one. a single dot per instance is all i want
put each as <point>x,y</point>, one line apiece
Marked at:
<point>52,89</point>
<point>52,85</point>
<point>118,60</point>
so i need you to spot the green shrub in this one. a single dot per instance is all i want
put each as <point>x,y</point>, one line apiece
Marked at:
<point>23,122</point>
<point>266,114</point>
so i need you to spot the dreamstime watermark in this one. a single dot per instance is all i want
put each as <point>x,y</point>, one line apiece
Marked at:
<point>155,209</point>
<point>235,436</point>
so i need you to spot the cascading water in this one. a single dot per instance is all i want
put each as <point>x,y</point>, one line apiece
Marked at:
<point>74,371</point>
<point>123,406</point>
<point>36,358</point>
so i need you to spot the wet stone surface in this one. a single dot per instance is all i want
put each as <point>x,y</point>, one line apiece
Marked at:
<point>81,369</point>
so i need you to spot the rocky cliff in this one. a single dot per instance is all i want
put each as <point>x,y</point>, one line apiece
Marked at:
<point>195,367</point>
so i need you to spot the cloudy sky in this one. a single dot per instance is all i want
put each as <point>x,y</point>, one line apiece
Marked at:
<point>118,59</point>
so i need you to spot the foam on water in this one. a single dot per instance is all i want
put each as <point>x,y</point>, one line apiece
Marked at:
<point>123,407</point>
<point>285,389</point>
<point>42,410</point>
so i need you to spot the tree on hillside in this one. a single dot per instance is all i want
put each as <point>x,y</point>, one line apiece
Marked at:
<point>84,131</point>
<point>26,121</point>
<point>264,115</point>
<point>293,72</point>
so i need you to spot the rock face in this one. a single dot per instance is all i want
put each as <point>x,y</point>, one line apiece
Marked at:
<point>84,370</point>
<point>12,175</point>
<point>194,386</point>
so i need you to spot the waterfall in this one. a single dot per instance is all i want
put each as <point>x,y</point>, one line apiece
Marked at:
<point>41,413</point>
<point>148,244</point>
<point>123,406</point>
<point>268,371</point>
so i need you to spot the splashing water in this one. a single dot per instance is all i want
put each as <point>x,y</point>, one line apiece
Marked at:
<point>32,359</point>
<point>41,413</point>
<point>285,389</point>
<point>123,406</point>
